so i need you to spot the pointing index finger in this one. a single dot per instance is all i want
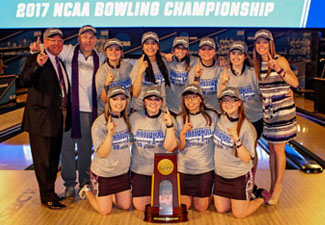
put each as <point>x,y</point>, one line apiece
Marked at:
<point>167,111</point>
<point>270,56</point>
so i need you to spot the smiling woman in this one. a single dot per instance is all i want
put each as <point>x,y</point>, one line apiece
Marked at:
<point>149,70</point>
<point>153,132</point>
<point>195,160</point>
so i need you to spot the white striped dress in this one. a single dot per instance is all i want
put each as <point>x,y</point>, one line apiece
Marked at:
<point>279,111</point>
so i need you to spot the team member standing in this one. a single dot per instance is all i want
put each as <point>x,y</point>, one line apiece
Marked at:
<point>242,76</point>
<point>179,67</point>
<point>153,132</point>
<point>234,139</point>
<point>149,70</point>
<point>206,73</point>
<point>195,158</point>
<point>110,166</point>
<point>114,72</point>
<point>275,78</point>
<point>47,112</point>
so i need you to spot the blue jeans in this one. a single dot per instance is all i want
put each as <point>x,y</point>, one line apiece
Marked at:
<point>83,147</point>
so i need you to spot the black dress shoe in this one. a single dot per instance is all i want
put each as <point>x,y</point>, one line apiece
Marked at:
<point>55,204</point>
<point>58,198</point>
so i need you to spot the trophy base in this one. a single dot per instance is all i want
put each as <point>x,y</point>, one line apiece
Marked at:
<point>152,215</point>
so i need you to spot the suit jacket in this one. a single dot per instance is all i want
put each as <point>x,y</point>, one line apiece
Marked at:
<point>43,110</point>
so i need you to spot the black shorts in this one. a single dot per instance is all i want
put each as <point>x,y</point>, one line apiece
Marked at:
<point>239,188</point>
<point>258,127</point>
<point>199,185</point>
<point>104,186</point>
<point>141,185</point>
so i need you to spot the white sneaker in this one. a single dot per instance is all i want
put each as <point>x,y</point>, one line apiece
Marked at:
<point>83,190</point>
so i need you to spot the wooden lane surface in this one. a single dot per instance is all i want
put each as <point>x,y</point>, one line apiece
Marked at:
<point>302,202</point>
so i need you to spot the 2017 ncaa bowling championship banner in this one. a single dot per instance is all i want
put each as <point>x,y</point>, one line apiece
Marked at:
<point>162,13</point>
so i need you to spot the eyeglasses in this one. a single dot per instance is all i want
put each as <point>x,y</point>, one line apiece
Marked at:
<point>153,99</point>
<point>192,97</point>
<point>229,100</point>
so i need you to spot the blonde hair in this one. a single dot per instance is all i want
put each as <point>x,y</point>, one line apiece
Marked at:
<point>241,115</point>
<point>108,112</point>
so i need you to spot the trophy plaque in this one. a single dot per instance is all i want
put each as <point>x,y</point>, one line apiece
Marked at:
<point>165,206</point>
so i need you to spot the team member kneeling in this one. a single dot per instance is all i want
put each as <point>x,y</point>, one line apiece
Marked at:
<point>109,169</point>
<point>234,138</point>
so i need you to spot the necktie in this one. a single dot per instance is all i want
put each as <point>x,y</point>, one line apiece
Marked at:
<point>61,80</point>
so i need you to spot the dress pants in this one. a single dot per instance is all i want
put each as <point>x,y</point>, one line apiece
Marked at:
<point>84,150</point>
<point>46,155</point>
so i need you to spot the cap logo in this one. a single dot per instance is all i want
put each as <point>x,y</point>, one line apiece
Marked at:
<point>263,33</point>
<point>153,91</point>
<point>206,42</point>
<point>116,90</point>
<point>237,46</point>
<point>151,35</point>
<point>229,92</point>
<point>114,43</point>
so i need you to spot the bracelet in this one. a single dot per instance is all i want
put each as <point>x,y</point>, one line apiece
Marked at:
<point>170,126</point>
<point>238,146</point>
<point>238,143</point>
<point>196,78</point>
<point>280,72</point>
<point>106,87</point>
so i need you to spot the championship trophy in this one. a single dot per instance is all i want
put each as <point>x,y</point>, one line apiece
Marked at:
<point>165,206</point>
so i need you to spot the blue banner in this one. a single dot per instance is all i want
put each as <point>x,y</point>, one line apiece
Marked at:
<point>162,13</point>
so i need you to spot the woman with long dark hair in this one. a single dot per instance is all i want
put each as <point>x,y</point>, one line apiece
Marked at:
<point>275,78</point>
<point>195,158</point>
<point>149,70</point>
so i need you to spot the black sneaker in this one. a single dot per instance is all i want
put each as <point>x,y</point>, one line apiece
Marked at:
<point>264,194</point>
<point>70,192</point>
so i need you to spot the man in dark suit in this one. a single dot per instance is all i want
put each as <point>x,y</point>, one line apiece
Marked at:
<point>47,113</point>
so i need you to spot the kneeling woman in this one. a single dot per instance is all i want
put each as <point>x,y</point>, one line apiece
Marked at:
<point>195,159</point>
<point>153,132</point>
<point>109,169</point>
<point>234,138</point>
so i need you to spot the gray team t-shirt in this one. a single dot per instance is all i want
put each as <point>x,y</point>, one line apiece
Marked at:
<point>197,156</point>
<point>208,84</point>
<point>178,77</point>
<point>148,139</point>
<point>137,103</point>
<point>121,78</point>
<point>118,160</point>
<point>227,164</point>
<point>248,87</point>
